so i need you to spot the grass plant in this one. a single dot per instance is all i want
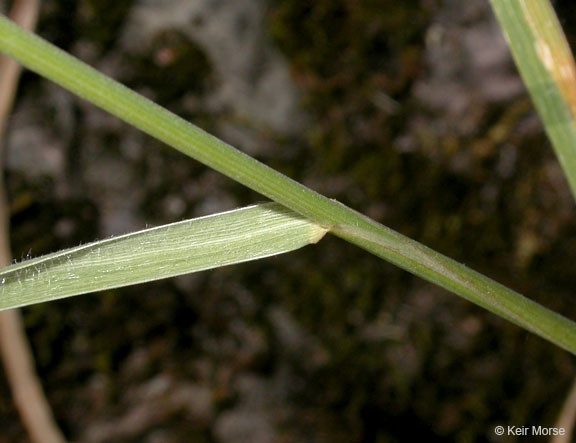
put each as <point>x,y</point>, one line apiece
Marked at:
<point>83,270</point>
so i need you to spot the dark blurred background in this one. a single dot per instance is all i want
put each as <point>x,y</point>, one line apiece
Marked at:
<point>411,112</point>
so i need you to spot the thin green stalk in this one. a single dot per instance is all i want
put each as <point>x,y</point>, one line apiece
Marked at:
<point>45,59</point>
<point>547,67</point>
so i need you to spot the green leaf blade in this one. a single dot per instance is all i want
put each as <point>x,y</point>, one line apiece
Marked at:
<point>52,63</point>
<point>545,62</point>
<point>190,246</point>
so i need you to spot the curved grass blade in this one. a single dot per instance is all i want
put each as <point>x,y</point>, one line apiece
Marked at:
<point>189,246</point>
<point>547,67</point>
<point>60,67</point>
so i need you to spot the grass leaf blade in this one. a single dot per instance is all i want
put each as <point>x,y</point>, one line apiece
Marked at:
<point>189,246</point>
<point>54,64</point>
<point>547,67</point>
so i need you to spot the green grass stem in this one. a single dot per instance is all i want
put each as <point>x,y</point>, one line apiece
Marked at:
<point>49,61</point>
